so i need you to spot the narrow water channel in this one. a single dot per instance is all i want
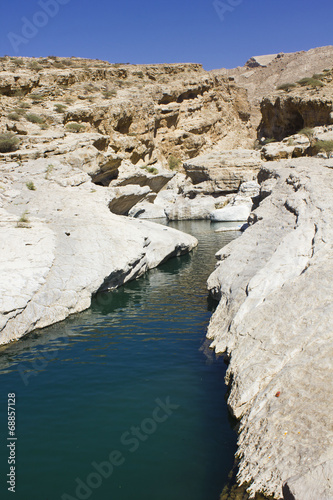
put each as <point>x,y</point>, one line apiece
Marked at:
<point>124,401</point>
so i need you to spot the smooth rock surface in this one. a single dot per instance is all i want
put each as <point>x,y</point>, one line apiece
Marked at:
<point>59,244</point>
<point>274,322</point>
<point>231,214</point>
<point>123,198</point>
<point>146,210</point>
<point>197,208</point>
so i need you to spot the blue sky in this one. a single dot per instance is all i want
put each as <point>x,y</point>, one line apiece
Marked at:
<point>147,31</point>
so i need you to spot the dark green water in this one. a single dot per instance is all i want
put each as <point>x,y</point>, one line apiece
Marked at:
<point>132,374</point>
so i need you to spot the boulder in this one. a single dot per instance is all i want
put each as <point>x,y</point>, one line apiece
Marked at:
<point>145,210</point>
<point>231,214</point>
<point>197,208</point>
<point>155,176</point>
<point>125,197</point>
<point>226,169</point>
<point>277,151</point>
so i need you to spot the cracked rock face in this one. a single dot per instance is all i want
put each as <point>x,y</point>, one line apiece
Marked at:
<point>59,244</point>
<point>274,321</point>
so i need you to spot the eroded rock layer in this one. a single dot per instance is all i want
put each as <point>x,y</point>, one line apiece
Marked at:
<point>142,113</point>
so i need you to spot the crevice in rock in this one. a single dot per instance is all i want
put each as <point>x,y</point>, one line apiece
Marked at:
<point>291,209</point>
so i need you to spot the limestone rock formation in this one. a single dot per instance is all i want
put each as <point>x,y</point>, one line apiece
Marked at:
<point>146,210</point>
<point>143,113</point>
<point>197,208</point>
<point>274,322</point>
<point>284,114</point>
<point>59,244</point>
<point>261,75</point>
<point>231,214</point>
<point>226,170</point>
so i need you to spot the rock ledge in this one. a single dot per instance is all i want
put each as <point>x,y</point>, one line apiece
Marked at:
<point>274,322</point>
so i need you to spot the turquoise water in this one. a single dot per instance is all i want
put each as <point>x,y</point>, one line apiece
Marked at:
<point>124,401</point>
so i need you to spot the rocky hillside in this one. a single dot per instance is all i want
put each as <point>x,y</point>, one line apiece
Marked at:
<point>144,114</point>
<point>262,75</point>
<point>307,103</point>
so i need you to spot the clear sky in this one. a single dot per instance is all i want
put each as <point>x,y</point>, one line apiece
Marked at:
<point>151,31</point>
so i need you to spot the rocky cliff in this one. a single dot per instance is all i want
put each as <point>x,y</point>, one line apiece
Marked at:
<point>262,75</point>
<point>301,105</point>
<point>143,114</point>
<point>274,325</point>
<point>80,139</point>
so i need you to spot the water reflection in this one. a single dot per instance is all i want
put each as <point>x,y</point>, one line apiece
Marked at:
<point>83,382</point>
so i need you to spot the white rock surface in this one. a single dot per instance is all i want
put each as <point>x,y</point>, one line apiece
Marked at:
<point>155,176</point>
<point>274,322</point>
<point>197,208</point>
<point>71,247</point>
<point>123,198</point>
<point>146,210</point>
<point>226,169</point>
<point>231,213</point>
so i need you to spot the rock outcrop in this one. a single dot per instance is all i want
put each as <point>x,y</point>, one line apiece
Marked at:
<point>80,139</point>
<point>225,170</point>
<point>274,323</point>
<point>59,244</point>
<point>303,106</point>
<point>261,75</point>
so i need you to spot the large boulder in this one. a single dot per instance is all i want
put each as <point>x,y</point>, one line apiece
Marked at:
<point>123,198</point>
<point>227,169</point>
<point>146,210</point>
<point>231,214</point>
<point>155,176</point>
<point>197,208</point>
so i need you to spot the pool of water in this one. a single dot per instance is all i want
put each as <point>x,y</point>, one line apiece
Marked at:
<point>124,401</point>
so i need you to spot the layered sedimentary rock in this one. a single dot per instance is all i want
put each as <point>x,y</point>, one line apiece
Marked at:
<point>59,244</point>
<point>225,170</point>
<point>143,113</point>
<point>274,323</point>
<point>261,75</point>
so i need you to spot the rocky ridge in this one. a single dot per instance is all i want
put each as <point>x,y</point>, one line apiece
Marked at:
<point>280,369</point>
<point>145,114</point>
<point>306,105</point>
<point>261,75</point>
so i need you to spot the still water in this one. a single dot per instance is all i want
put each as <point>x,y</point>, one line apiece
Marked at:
<point>124,401</point>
